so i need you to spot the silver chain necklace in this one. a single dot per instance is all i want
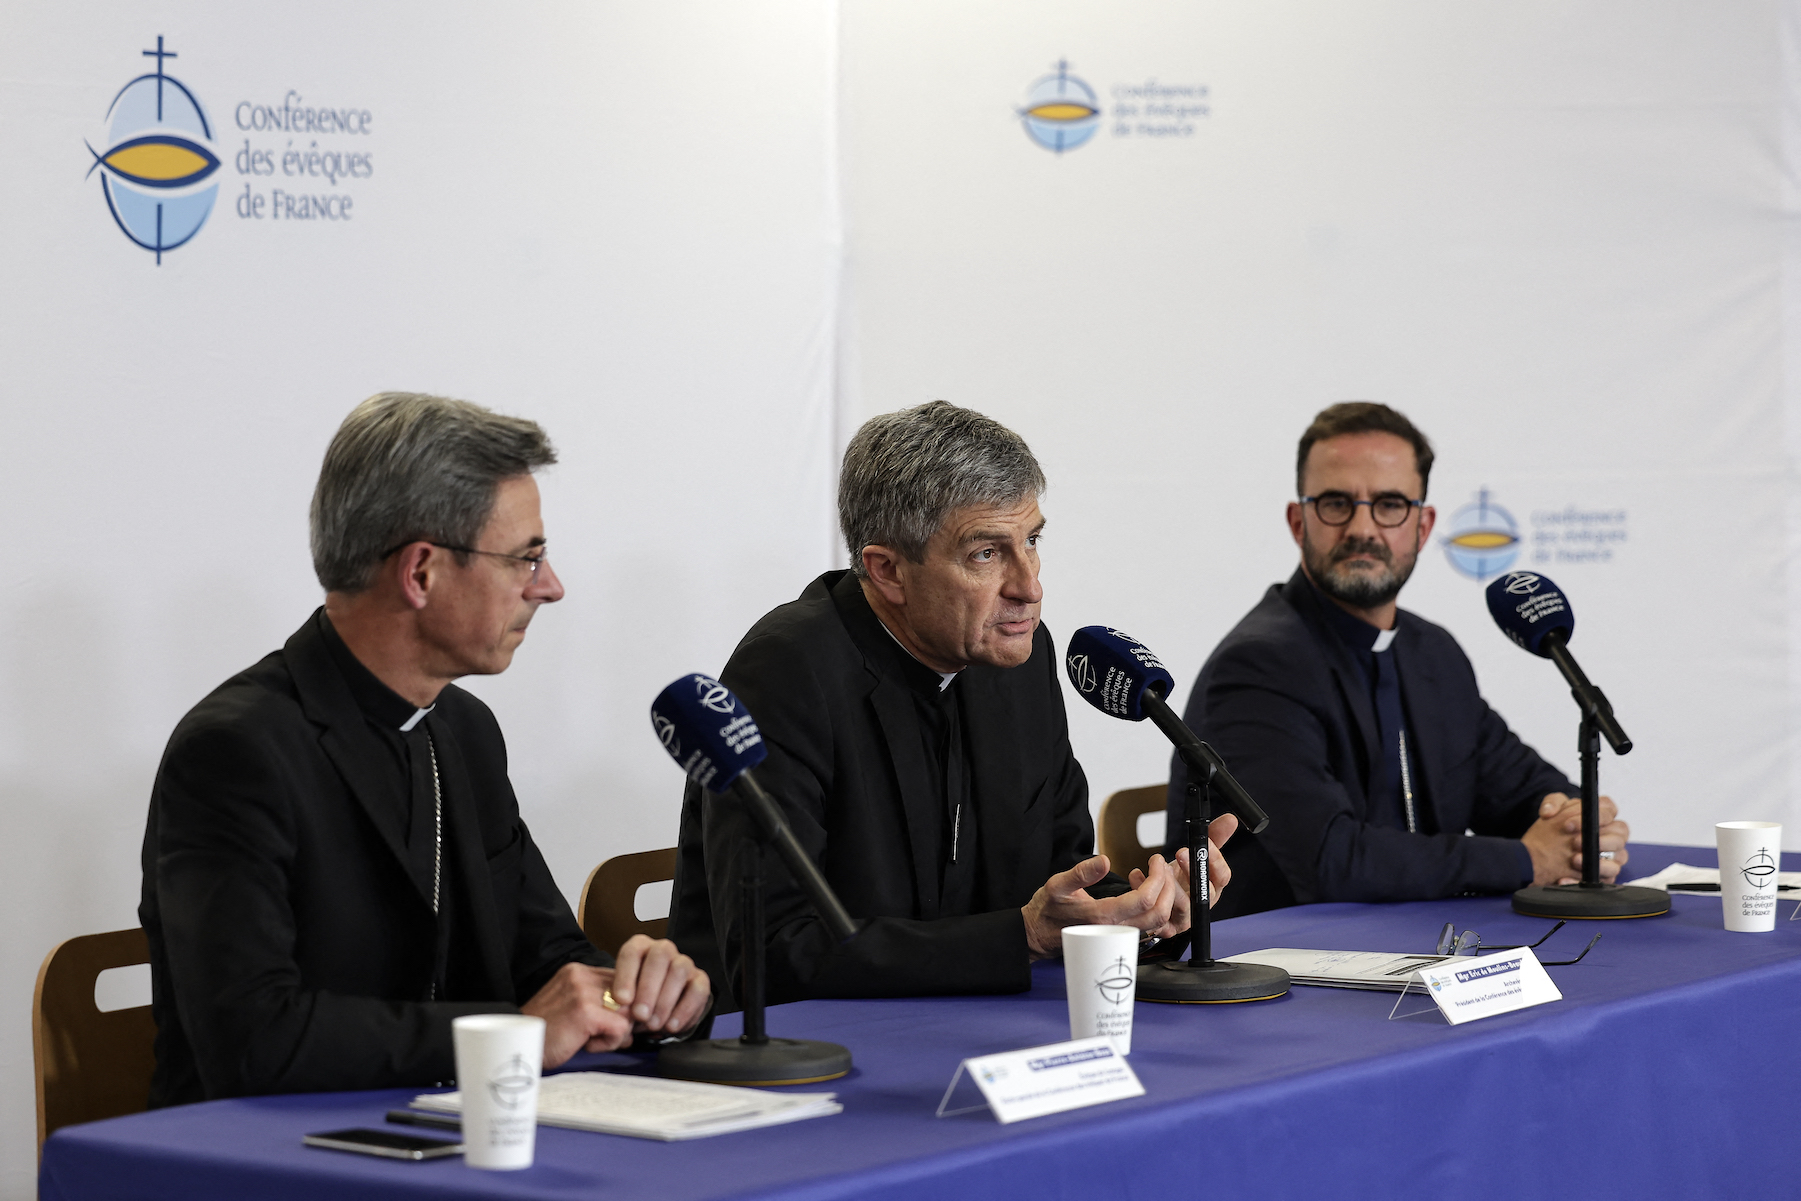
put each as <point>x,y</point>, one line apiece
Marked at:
<point>437,796</point>
<point>1407,786</point>
<point>437,859</point>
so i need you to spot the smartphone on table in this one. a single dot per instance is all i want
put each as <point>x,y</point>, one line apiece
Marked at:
<point>390,1144</point>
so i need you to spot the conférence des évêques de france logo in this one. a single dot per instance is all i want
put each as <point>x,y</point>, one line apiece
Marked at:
<point>157,168</point>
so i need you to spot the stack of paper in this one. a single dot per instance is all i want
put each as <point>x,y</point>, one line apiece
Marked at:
<point>650,1107</point>
<point>1682,873</point>
<point>1382,970</point>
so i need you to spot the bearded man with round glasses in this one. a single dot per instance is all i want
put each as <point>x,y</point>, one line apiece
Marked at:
<point>1358,725</point>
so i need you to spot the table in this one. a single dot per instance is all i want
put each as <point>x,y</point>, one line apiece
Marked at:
<point>1635,1085</point>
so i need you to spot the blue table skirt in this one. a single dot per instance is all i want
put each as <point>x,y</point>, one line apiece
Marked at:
<point>1656,1076</point>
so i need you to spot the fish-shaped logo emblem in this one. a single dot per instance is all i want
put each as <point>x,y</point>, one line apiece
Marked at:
<point>157,169</point>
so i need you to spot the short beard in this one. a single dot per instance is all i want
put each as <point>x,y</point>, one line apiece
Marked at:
<point>1360,589</point>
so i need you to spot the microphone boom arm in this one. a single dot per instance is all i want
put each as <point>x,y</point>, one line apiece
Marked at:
<point>1591,700</point>
<point>1204,762</point>
<point>806,873</point>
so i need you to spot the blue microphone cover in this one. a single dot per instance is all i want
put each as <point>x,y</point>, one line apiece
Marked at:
<point>1111,670</point>
<point>1527,606</point>
<point>707,731</point>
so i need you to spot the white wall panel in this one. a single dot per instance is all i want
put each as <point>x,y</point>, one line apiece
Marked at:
<point>611,218</point>
<point>1548,232</point>
<point>702,241</point>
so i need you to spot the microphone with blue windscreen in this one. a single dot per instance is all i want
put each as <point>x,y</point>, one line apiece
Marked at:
<point>713,738</point>
<point>1536,615</point>
<point>707,731</point>
<point>1531,610</point>
<point>1119,675</point>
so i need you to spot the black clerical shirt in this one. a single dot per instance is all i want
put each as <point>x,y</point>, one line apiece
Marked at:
<point>1397,794</point>
<point>412,805</point>
<point>937,701</point>
<point>1396,798</point>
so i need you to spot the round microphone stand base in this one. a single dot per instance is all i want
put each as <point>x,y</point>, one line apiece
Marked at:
<point>1590,901</point>
<point>1215,982</point>
<point>734,1061</point>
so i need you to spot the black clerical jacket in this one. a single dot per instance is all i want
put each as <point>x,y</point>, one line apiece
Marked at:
<point>291,949</point>
<point>847,763</point>
<point>1285,705</point>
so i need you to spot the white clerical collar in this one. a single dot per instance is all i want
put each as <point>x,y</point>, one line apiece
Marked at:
<point>944,677</point>
<point>417,717</point>
<point>1383,639</point>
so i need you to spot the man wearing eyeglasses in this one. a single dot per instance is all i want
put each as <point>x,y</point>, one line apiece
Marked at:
<point>1358,725</point>
<point>334,863</point>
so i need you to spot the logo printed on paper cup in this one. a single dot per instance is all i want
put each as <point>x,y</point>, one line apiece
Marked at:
<point>1759,870</point>
<point>512,1082</point>
<point>1116,985</point>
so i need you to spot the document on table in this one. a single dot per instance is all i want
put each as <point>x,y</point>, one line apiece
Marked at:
<point>1682,873</point>
<point>651,1107</point>
<point>1385,971</point>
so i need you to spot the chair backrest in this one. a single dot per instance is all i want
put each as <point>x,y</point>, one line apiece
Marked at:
<point>608,915</point>
<point>1117,831</point>
<point>90,1065</point>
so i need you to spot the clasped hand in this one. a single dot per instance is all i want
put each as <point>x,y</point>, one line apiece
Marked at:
<point>1157,904</point>
<point>654,986</point>
<point>1555,840</point>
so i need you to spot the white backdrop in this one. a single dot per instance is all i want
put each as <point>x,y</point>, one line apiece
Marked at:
<point>1548,232</point>
<point>701,241</point>
<point>611,218</point>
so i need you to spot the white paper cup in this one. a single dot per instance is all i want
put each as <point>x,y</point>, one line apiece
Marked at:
<point>1100,970</point>
<point>1750,857</point>
<point>499,1058</point>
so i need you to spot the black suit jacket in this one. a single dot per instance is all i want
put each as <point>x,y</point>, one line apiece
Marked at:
<point>1284,703</point>
<point>290,948</point>
<point>846,763</point>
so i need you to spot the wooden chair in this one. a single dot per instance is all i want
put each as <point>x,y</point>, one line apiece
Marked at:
<point>90,1065</point>
<point>607,911</point>
<point>1117,831</point>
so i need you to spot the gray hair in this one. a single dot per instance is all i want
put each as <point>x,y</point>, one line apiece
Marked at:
<point>906,471</point>
<point>407,467</point>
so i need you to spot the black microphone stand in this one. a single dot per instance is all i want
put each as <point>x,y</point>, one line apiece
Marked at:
<point>753,1058</point>
<point>1591,898</point>
<point>1202,979</point>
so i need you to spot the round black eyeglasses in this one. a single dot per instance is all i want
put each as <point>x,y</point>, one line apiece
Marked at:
<point>1388,510</point>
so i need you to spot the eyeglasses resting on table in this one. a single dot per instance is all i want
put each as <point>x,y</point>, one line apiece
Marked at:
<point>1470,943</point>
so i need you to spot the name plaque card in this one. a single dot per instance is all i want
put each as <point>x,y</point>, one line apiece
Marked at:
<point>1051,1079</point>
<point>1467,989</point>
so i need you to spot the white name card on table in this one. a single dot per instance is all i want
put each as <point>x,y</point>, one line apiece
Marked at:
<point>1049,1079</point>
<point>1467,989</point>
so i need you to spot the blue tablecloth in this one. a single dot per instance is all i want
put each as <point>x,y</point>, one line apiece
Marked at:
<point>1656,1076</point>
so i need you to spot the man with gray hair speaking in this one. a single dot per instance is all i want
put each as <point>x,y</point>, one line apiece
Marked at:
<point>917,741</point>
<point>334,863</point>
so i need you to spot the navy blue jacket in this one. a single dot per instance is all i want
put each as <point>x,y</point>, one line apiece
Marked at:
<point>1283,702</point>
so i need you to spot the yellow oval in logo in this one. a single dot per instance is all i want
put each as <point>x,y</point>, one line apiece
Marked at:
<point>156,160</point>
<point>1484,539</point>
<point>1062,112</point>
